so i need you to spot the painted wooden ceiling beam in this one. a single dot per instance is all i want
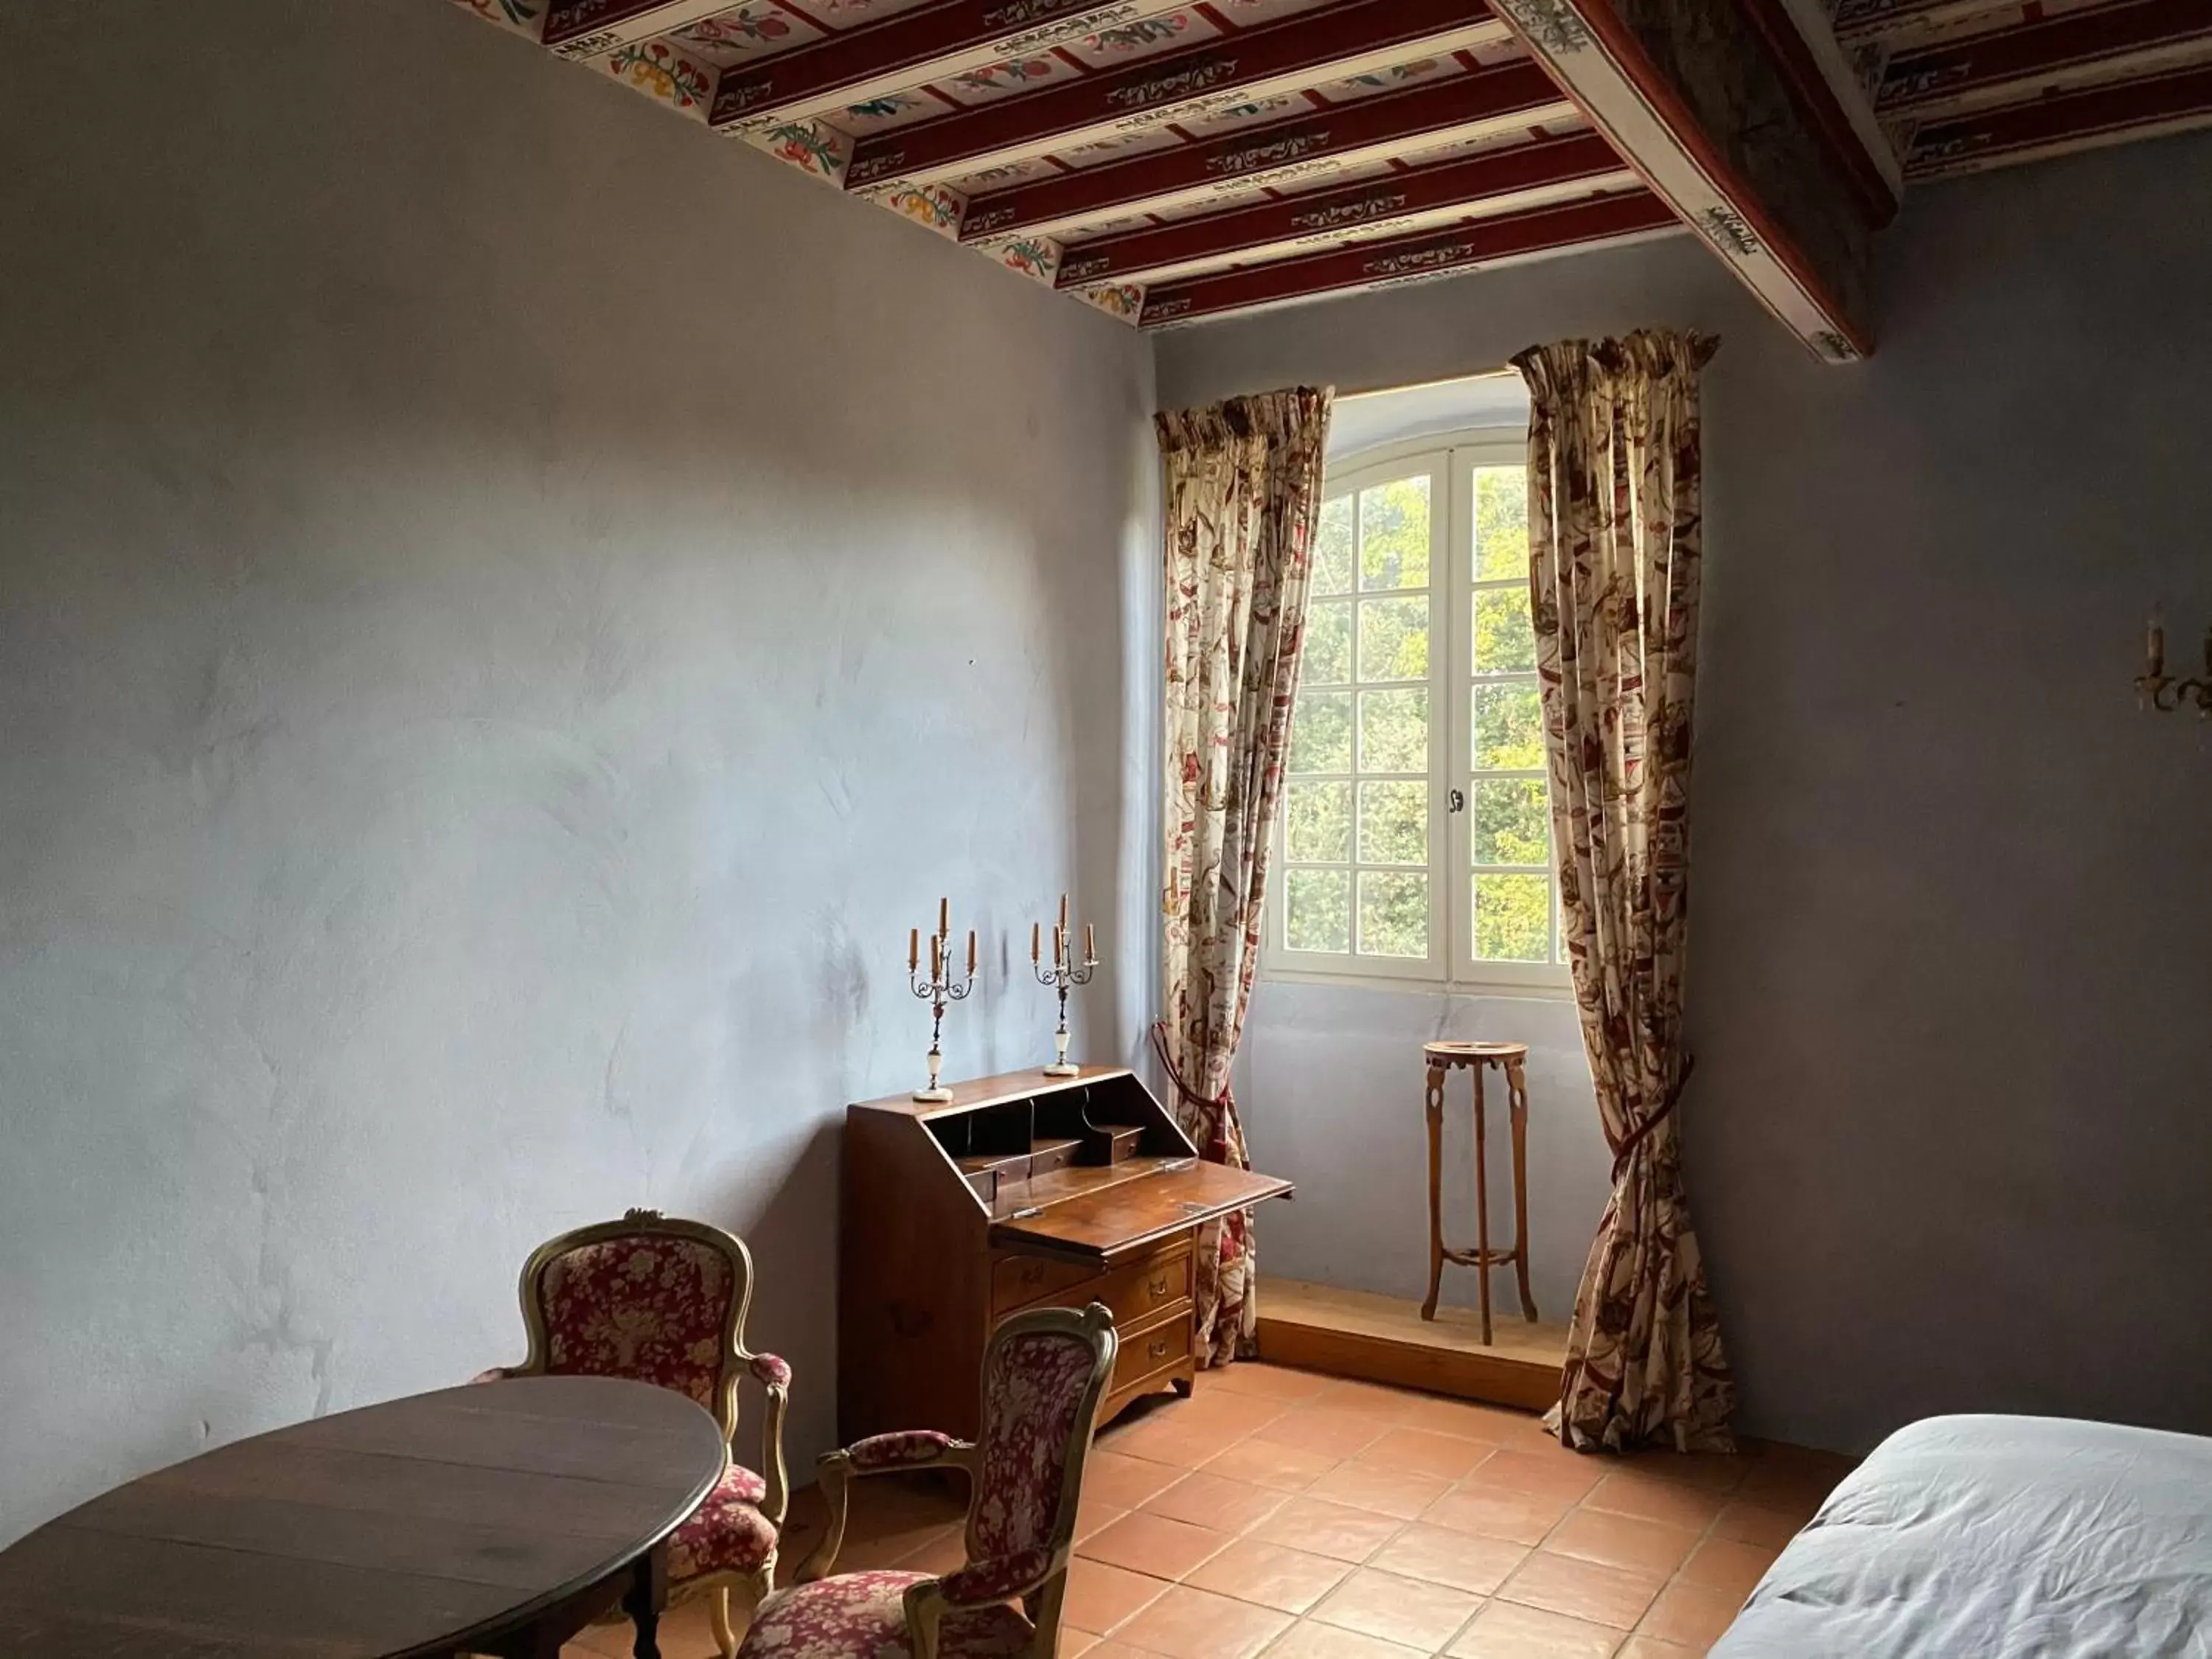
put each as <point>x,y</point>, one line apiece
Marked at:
<point>1691,96</point>
<point>933,42</point>
<point>592,28</point>
<point>1858,21</point>
<point>2078,49</point>
<point>1360,37</point>
<point>2062,122</point>
<point>1512,98</point>
<point>1419,198</point>
<point>1405,259</point>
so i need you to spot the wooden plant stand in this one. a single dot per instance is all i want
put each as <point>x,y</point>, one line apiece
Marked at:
<point>1510,1058</point>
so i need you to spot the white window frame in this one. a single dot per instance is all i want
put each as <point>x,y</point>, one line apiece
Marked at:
<point>1453,459</point>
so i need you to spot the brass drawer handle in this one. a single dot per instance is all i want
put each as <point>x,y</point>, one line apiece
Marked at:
<point>1159,1347</point>
<point>1159,1287</point>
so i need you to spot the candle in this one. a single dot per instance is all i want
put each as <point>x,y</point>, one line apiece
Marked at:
<point>1037,951</point>
<point>913,949</point>
<point>1060,947</point>
<point>944,918</point>
<point>1063,913</point>
<point>2154,647</point>
<point>1089,944</point>
<point>936,958</point>
<point>971,953</point>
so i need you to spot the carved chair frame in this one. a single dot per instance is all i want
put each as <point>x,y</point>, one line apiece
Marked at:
<point>750,1589</point>
<point>927,1603</point>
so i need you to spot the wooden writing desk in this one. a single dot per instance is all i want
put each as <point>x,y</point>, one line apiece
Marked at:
<point>1021,1191</point>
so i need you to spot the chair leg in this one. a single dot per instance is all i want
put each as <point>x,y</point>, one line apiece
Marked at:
<point>718,1614</point>
<point>1045,1616</point>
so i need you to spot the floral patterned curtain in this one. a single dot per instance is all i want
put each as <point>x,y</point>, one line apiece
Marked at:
<point>1614,521</point>
<point>1243,490</point>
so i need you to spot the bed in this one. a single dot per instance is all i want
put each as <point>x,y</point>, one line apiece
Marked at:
<point>1999,1538</point>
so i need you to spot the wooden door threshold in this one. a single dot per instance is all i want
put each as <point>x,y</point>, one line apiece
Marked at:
<point>1381,1339</point>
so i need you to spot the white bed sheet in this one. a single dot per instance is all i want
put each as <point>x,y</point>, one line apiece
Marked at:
<point>1990,1537</point>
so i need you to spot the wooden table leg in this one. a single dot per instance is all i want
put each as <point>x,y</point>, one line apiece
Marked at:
<point>649,1594</point>
<point>1517,1105</point>
<point>1436,1190</point>
<point>1481,1208</point>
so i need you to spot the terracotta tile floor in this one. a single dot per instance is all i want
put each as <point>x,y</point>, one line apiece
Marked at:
<point>1284,1514</point>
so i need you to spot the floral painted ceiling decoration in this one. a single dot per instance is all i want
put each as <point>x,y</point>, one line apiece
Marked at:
<point>1171,164</point>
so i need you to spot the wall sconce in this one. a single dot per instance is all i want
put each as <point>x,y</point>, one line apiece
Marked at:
<point>2154,690</point>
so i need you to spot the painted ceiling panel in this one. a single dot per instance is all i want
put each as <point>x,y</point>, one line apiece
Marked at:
<point>1245,13</point>
<point>1008,76</point>
<point>1233,116</point>
<point>845,14</point>
<point>1316,146</point>
<point>1169,162</point>
<point>1395,77</point>
<point>885,114</point>
<point>757,29</point>
<point>1126,43</point>
<point>1118,147</point>
<point>1963,85</point>
<point>1009,172</point>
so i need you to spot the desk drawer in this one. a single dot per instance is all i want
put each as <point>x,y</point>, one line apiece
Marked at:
<point>1133,1293</point>
<point>1152,1348</point>
<point>1143,1289</point>
<point>1018,1281</point>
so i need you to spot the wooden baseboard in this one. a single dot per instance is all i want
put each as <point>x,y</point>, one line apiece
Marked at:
<point>1379,1339</point>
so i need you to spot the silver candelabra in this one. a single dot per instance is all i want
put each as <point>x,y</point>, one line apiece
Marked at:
<point>1064,973</point>
<point>939,989</point>
<point>2156,689</point>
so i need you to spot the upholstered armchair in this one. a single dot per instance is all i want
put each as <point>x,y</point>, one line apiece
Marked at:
<point>664,1302</point>
<point>1044,1374</point>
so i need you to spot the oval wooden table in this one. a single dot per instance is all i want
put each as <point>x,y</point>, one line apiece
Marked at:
<point>499,1518</point>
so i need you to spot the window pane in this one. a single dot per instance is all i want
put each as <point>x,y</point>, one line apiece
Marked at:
<point>1320,732</point>
<point>1332,554</point>
<point>1328,645</point>
<point>1512,822</point>
<point>1317,910</point>
<point>1394,913</point>
<point>1394,824</point>
<point>1394,638</point>
<point>1501,522</point>
<point>1504,637</point>
<point>1394,730</point>
<point>1509,728</point>
<point>1317,823</point>
<point>1394,534</point>
<point>1512,918</point>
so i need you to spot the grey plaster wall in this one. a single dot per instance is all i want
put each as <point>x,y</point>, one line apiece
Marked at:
<point>1948,1132</point>
<point>1332,1084</point>
<point>510,608</point>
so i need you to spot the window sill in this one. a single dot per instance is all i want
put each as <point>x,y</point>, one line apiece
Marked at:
<point>1559,990</point>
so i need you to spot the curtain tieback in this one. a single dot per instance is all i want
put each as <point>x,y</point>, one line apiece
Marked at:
<point>1213,1106</point>
<point>1642,1131</point>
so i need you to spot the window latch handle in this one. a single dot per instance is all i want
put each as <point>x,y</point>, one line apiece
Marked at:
<point>1456,799</point>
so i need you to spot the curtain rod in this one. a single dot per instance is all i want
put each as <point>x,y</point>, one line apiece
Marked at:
<point>1344,396</point>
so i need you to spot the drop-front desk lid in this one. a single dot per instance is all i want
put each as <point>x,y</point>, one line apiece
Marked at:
<point>1108,1225</point>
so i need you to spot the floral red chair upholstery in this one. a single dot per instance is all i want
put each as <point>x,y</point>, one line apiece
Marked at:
<point>664,1302</point>
<point>1044,1375</point>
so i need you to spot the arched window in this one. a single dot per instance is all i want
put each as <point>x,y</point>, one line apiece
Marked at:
<point>1415,838</point>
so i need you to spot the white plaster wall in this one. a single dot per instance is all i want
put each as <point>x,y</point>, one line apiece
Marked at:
<point>510,608</point>
<point>1947,1136</point>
